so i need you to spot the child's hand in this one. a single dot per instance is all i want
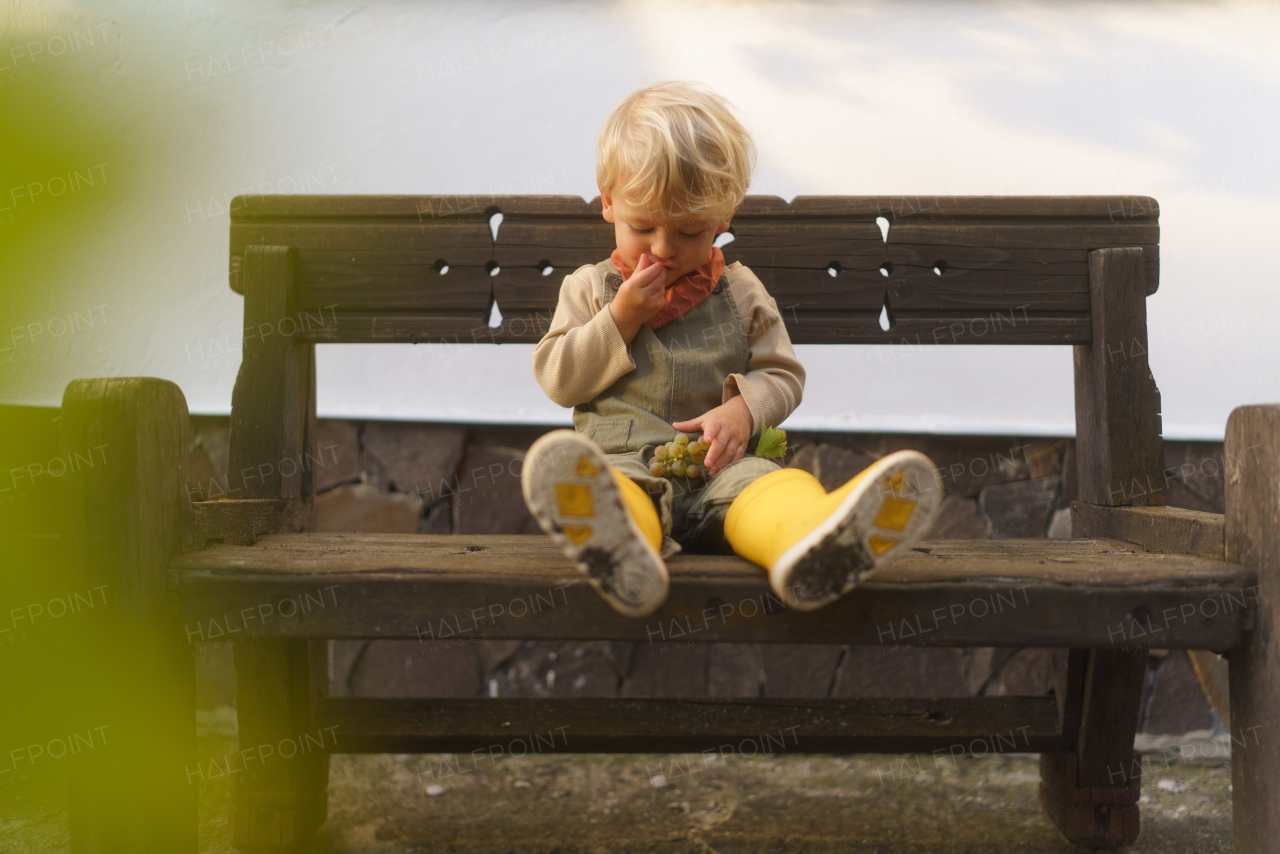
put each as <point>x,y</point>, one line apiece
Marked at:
<point>727,428</point>
<point>639,297</point>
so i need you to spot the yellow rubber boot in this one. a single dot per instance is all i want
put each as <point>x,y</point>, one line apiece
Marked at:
<point>818,545</point>
<point>640,508</point>
<point>602,520</point>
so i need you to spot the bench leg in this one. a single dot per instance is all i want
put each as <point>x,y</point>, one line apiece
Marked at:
<point>125,511</point>
<point>1253,539</point>
<point>1091,793</point>
<point>279,793</point>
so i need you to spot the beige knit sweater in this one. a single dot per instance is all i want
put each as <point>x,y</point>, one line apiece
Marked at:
<point>583,353</point>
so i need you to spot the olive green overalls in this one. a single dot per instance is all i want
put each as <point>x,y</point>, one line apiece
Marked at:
<point>679,375</point>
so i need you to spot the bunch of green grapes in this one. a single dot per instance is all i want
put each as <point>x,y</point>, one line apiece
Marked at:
<point>680,458</point>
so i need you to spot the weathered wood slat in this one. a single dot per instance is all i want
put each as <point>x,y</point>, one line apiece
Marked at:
<point>1002,260</point>
<point>792,262</point>
<point>381,256</point>
<point>391,260</point>
<point>1091,790</point>
<point>815,231</point>
<point>1046,593</point>
<point>377,207</point>
<point>923,291</point>
<point>362,327</point>
<point>805,243</point>
<point>977,725</point>
<point>1169,530</point>
<point>377,287</point>
<point>526,288</point>
<point>278,685</point>
<point>457,242</point>
<point>462,243</point>
<point>1005,326</point>
<point>815,289</point>
<point>772,206</point>
<point>566,242</point>
<point>1084,235</point>
<point>1117,209</point>
<point>123,519</point>
<point>1112,699</point>
<point>1253,541</point>
<point>1117,402</point>
<point>241,522</point>
<point>1106,563</point>
<point>1058,262</point>
<point>803,327</point>
<point>273,403</point>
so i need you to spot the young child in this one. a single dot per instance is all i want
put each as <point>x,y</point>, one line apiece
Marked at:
<point>663,337</point>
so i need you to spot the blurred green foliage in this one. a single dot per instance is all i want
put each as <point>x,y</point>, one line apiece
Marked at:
<point>66,163</point>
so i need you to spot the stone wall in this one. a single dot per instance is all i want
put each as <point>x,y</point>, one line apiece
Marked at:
<point>444,478</point>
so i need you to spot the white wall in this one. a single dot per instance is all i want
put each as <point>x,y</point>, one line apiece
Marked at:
<point>195,103</point>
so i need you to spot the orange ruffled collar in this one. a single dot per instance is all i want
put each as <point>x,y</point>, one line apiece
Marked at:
<point>685,292</point>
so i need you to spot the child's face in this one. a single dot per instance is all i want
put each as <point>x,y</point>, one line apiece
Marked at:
<point>681,244</point>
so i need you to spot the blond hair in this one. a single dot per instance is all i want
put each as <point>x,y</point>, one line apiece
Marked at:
<point>675,149</point>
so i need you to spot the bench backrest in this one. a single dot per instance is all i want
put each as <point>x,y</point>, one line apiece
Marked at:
<point>950,269</point>
<point>940,270</point>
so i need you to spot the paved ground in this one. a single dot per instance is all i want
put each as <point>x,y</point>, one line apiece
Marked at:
<point>611,804</point>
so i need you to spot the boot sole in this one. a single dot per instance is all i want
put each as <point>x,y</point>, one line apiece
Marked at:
<point>570,491</point>
<point>884,515</point>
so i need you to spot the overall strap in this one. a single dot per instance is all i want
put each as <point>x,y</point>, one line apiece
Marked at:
<point>611,277</point>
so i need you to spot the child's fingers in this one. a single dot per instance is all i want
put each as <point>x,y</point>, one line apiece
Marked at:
<point>651,268</point>
<point>723,452</point>
<point>658,282</point>
<point>731,453</point>
<point>645,276</point>
<point>714,452</point>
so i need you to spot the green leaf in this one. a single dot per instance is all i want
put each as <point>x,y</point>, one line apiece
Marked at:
<point>773,442</point>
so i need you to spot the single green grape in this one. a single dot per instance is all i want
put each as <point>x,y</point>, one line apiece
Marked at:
<point>655,468</point>
<point>694,470</point>
<point>660,452</point>
<point>682,438</point>
<point>678,468</point>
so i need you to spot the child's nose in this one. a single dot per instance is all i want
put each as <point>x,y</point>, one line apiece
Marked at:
<point>661,246</point>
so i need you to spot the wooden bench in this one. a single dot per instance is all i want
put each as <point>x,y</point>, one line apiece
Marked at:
<point>967,270</point>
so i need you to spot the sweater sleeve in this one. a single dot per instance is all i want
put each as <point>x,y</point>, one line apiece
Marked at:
<point>582,353</point>
<point>774,382</point>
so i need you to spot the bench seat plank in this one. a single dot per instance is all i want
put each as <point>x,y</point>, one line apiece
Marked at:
<point>752,726</point>
<point>1081,593</point>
